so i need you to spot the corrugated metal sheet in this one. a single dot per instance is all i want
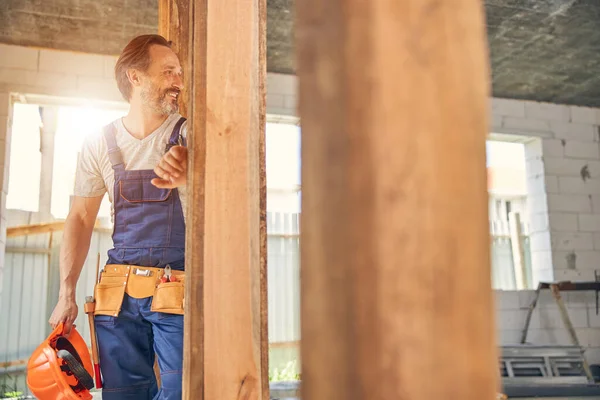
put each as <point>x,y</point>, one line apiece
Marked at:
<point>24,294</point>
<point>30,292</point>
<point>283,248</point>
<point>283,277</point>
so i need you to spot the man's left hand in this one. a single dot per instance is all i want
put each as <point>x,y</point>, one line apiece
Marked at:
<point>172,169</point>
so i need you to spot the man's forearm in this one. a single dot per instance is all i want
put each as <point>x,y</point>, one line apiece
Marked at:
<point>75,246</point>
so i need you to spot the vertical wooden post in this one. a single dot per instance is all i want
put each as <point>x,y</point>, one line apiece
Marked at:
<point>47,139</point>
<point>396,295</point>
<point>518,254</point>
<point>262,324</point>
<point>174,24</point>
<point>225,324</point>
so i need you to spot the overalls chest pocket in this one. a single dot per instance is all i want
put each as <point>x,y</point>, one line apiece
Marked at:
<point>138,190</point>
<point>144,215</point>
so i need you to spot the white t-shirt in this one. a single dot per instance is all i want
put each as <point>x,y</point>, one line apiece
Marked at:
<point>95,175</point>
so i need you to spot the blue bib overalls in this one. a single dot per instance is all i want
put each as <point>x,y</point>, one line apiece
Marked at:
<point>149,230</point>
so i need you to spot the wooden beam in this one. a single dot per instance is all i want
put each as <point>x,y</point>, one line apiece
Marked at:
<point>518,253</point>
<point>46,227</point>
<point>260,279</point>
<point>174,24</point>
<point>27,250</point>
<point>225,341</point>
<point>34,229</point>
<point>395,293</point>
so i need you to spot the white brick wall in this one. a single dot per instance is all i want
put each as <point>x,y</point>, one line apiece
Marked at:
<point>18,57</point>
<point>589,222</point>
<point>584,150</point>
<point>576,185</point>
<point>72,63</point>
<point>596,240</point>
<point>547,112</point>
<point>585,115</point>
<point>68,74</point>
<point>563,166</point>
<point>553,148</point>
<point>578,203</point>
<point>584,260</point>
<point>562,241</point>
<point>563,222</point>
<point>546,326</point>
<point>563,180</point>
<point>573,131</point>
<point>281,94</point>
<point>531,126</point>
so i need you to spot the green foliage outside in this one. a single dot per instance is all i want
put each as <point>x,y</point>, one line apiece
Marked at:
<point>9,390</point>
<point>288,373</point>
<point>284,364</point>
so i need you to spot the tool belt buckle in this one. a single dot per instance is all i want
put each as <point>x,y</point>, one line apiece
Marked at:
<point>142,272</point>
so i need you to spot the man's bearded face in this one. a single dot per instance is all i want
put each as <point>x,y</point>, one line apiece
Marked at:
<point>162,99</point>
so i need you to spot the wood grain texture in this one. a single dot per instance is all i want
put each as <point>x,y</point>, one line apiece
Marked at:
<point>174,17</point>
<point>174,25</point>
<point>396,297</point>
<point>224,338</point>
<point>263,275</point>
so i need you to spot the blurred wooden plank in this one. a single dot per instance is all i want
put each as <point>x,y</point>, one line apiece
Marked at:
<point>396,297</point>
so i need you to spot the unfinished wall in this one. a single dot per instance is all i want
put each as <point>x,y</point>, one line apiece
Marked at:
<point>563,180</point>
<point>546,326</point>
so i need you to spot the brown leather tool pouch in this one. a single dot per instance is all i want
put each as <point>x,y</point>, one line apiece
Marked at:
<point>169,296</point>
<point>142,285</point>
<point>139,283</point>
<point>109,293</point>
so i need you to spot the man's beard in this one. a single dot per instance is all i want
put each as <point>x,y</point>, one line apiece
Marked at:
<point>161,102</point>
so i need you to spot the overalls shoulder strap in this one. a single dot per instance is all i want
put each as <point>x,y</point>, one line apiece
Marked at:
<point>175,135</point>
<point>114,153</point>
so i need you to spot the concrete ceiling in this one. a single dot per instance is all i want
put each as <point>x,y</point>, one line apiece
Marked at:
<point>544,50</point>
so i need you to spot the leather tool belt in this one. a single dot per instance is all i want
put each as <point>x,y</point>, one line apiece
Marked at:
<point>138,282</point>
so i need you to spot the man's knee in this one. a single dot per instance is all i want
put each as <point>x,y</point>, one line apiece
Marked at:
<point>170,385</point>
<point>126,361</point>
<point>171,380</point>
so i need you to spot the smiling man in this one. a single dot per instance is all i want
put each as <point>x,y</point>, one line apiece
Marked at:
<point>140,160</point>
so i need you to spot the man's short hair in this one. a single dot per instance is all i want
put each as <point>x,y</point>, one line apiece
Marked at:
<point>135,55</point>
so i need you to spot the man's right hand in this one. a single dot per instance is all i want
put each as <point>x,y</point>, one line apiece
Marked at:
<point>66,312</point>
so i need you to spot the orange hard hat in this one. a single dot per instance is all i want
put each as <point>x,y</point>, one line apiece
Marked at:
<point>61,368</point>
